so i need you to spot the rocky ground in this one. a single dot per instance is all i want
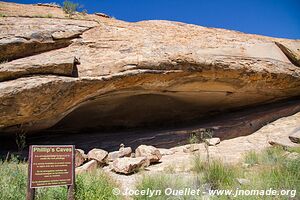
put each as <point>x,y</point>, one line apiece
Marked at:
<point>125,166</point>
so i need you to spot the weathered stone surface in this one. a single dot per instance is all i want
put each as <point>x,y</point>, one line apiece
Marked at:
<point>102,15</point>
<point>165,152</point>
<point>129,165</point>
<point>292,56</point>
<point>99,155</point>
<point>231,151</point>
<point>21,37</point>
<point>192,148</point>
<point>90,166</point>
<point>80,157</point>
<point>213,141</point>
<point>174,72</point>
<point>179,149</point>
<point>282,142</point>
<point>150,152</point>
<point>295,136</point>
<point>54,5</point>
<point>123,152</point>
<point>33,67</point>
<point>42,10</point>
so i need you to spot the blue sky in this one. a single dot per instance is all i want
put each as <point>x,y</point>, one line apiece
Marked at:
<point>277,18</point>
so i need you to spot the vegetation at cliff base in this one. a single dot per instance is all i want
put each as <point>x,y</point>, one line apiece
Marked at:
<point>275,168</point>
<point>272,168</point>
<point>89,186</point>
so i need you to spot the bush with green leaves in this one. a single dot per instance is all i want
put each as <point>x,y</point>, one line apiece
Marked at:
<point>251,158</point>
<point>13,180</point>
<point>162,181</point>
<point>219,176</point>
<point>193,139</point>
<point>276,171</point>
<point>89,186</point>
<point>69,7</point>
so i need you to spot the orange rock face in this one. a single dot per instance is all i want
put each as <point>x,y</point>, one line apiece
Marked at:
<point>89,71</point>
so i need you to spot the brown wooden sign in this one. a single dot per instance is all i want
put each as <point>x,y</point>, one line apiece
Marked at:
<point>51,165</point>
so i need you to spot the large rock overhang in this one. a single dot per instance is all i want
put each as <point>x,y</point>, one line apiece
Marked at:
<point>144,74</point>
<point>137,98</point>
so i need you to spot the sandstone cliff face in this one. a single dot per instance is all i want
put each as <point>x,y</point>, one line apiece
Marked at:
<point>89,71</point>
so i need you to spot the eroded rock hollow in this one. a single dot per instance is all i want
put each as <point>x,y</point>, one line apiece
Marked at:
<point>89,73</point>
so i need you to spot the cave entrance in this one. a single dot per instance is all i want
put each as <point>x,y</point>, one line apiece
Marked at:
<point>164,119</point>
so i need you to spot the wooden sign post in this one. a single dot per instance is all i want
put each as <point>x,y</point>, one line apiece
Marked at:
<point>50,166</point>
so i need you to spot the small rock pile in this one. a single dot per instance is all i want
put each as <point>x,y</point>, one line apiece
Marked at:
<point>123,161</point>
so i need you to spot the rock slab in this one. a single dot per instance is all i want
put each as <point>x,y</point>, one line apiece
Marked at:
<point>129,165</point>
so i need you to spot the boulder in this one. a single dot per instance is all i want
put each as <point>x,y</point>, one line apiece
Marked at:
<point>90,166</point>
<point>213,141</point>
<point>80,157</point>
<point>295,137</point>
<point>150,152</point>
<point>129,165</point>
<point>99,155</point>
<point>123,152</point>
<point>41,35</point>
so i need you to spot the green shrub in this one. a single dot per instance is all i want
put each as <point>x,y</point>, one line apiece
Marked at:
<point>55,193</point>
<point>95,185</point>
<point>69,7</point>
<point>3,61</point>
<point>13,183</point>
<point>13,180</point>
<point>272,155</point>
<point>161,182</point>
<point>219,175</point>
<point>251,158</point>
<point>275,171</point>
<point>283,175</point>
<point>193,139</point>
<point>294,149</point>
<point>198,164</point>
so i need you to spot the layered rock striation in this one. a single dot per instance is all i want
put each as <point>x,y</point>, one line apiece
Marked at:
<point>91,72</point>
